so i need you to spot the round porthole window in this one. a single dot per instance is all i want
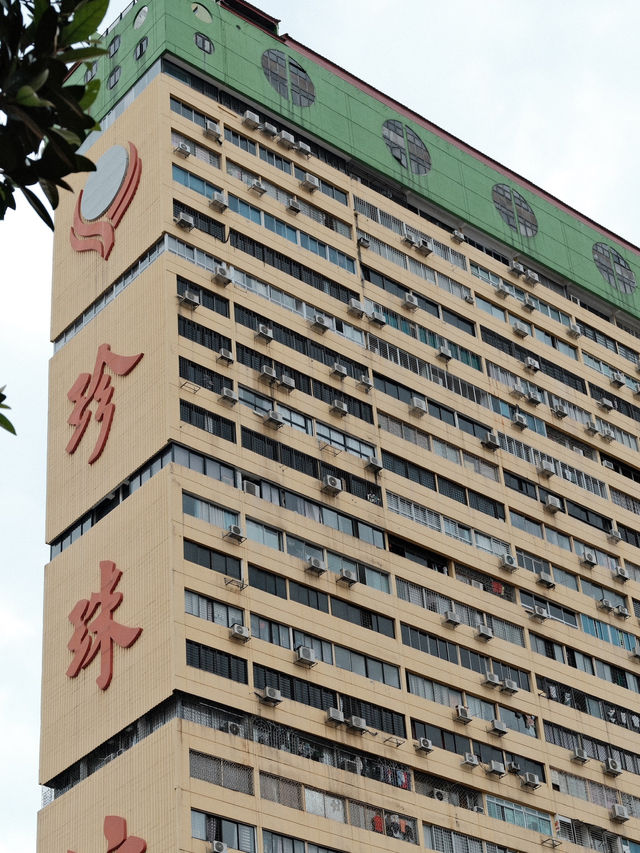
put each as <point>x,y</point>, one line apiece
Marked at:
<point>615,270</point>
<point>201,12</point>
<point>205,44</point>
<point>114,77</point>
<point>514,210</point>
<point>91,72</point>
<point>406,146</point>
<point>289,79</point>
<point>140,18</point>
<point>114,46</point>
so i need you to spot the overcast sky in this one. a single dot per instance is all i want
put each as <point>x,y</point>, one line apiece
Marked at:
<point>547,88</point>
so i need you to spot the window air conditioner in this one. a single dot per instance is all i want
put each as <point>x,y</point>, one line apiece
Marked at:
<point>250,488</point>
<point>509,562</point>
<point>269,696</point>
<point>614,536</point>
<point>532,364</point>
<point>410,301</point>
<point>212,130</point>
<point>340,408</point>
<point>235,533</point>
<point>251,119</point>
<point>529,304</point>
<point>621,574</point>
<point>444,353</point>
<point>228,395</point>
<point>293,205</point>
<point>501,290</point>
<point>531,781</point>
<point>320,323</point>
<point>221,275</point>
<point>519,420</point>
<point>588,560</point>
<point>273,419</point>
<point>451,618</point>
<point>240,632</point>
<point>496,768</point>
<point>423,744</point>
<point>334,717</point>
<point>592,427</point>
<point>520,329</point>
<point>417,406</point>
<point>463,714</point>
<point>225,355</point>
<point>374,463</point>
<point>191,298</point>
<point>484,632</point>
<point>425,246</point>
<point>516,268</point>
<point>366,382</point>
<point>612,767</point>
<point>510,687</point>
<point>356,724</point>
<point>347,577</point>
<point>579,755</point>
<point>606,403</point>
<point>331,485</point>
<point>378,318</point>
<point>257,187</point>
<point>288,383</point>
<point>622,611</point>
<point>531,277</point>
<point>617,379</point>
<point>218,847</point>
<point>608,434</point>
<point>304,149</point>
<point>470,760</point>
<point>185,220</point>
<point>310,182</point>
<point>269,129</point>
<point>408,237</point>
<point>533,397</point>
<point>363,242</point>
<point>268,373</point>
<point>546,468</point>
<point>545,579</point>
<point>218,201</point>
<point>560,410</point>
<point>619,813</point>
<point>573,330</point>
<point>539,613</point>
<point>182,149</point>
<point>315,566</point>
<point>441,795</point>
<point>305,656</point>
<point>492,679</point>
<point>491,441</point>
<point>458,236</point>
<point>356,307</point>
<point>287,140</point>
<point>264,333</point>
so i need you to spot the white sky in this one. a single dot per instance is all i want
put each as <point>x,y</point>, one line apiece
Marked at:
<point>548,88</point>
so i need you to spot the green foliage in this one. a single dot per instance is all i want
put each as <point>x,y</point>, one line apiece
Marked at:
<point>5,423</point>
<point>45,121</point>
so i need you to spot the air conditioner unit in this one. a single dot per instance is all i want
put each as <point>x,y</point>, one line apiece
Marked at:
<point>339,407</point>
<point>287,140</point>
<point>532,364</point>
<point>530,781</point>
<point>458,237</point>
<point>509,562</point>
<point>347,577</point>
<point>268,373</point>
<point>444,353</point>
<point>182,149</point>
<point>520,329</point>
<point>320,323</point>
<point>257,187</point>
<point>533,397</point>
<point>374,463</point>
<point>539,613</point>
<point>463,714</point>
<point>501,290</point>
<point>636,652</point>
<point>264,333</point>
<point>468,298</point>
<point>351,766</point>
<point>592,427</point>
<point>363,242</point>
<point>417,406</point>
<point>516,268</point>
<point>606,403</point>
<point>621,574</point>
<point>218,847</point>
<point>218,201</point>
<point>492,679</point>
<point>483,632</point>
<point>269,129</point>
<point>559,410</point>
<point>497,727</point>
<point>519,420</point>
<point>228,395</point>
<point>423,744</point>
<point>269,696</point>
<point>225,355</point>
<point>310,182</point>
<point>251,119</point>
<point>617,379</point>
<point>356,307</point>
<point>356,724</point>
<point>546,469</point>
<point>553,504</point>
<point>240,632</point>
<point>573,330</point>
<point>496,768</point>
<point>478,585</point>
<point>470,760</point>
<point>608,434</point>
<point>545,579</point>
<point>531,277</point>
<point>440,795</point>
<point>451,618</point>
<point>331,485</point>
<point>305,656</point>
<point>491,441</point>
<point>614,536</point>
<point>273,419</point>
<point>588,560</point>
<point>513,767</point>
<point>221,275</point>
<point>365,382</point>
<point>315,566</point>
<point>378,318</point>
<point>339,370</point>
<point>288,383</point>
<point>425,246</point>
<point>510,687</point>
<point>250,488</point>
<point>410,301</point>
<point>212,130</point>
<point>408,237</point>
<point>293,205</point>
<point>619,813</point>
<point>622,611</point>
<point>304,149</point>
<point>529,304</point>
<point>235,533</point>
<point>579,755</point>
<point>519,390</point>
<point>191,298</point>
<point>185,220</point>
<point>334,717</point>
<point>612,767</point>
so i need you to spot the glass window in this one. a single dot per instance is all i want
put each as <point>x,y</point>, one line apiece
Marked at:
<point>203,42</point>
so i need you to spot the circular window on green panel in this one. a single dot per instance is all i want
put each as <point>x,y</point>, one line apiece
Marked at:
<point>288,78</point>
<point>140,18</point>
<point>406,146</point>
<point>615,270</point>
<point>201,12</point>
<point>514,210</point>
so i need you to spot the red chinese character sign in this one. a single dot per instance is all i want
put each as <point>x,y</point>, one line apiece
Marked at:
<point>97,386</point>
<point>93,635</point>
<point>104,200</point>
<point>115,831</point>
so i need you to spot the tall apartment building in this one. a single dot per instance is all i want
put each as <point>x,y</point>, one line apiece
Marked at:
<point>342,484</point>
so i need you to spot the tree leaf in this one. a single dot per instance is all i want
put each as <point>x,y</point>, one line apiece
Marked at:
<point>86,20</point>
<point>38,206</point>
<point>5,423</point>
